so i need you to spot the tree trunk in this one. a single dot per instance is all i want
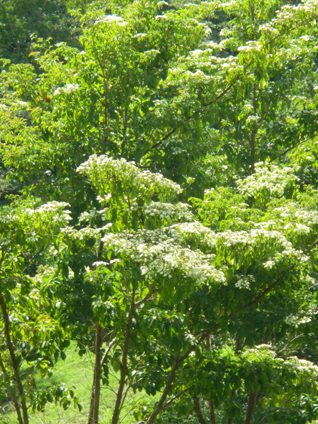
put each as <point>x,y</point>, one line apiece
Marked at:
<point>165,393</point>
<point>198,411</point>
<point>211,412</point>
<point>250,408</point>
<point>11,391</point>
<point>124,362</point>
<point>95,395</point>
<point>229,419</point>
<point>171,376</point>
<point>15,366</point>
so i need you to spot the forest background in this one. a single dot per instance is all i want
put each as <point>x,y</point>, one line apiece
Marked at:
<point>158,211</point>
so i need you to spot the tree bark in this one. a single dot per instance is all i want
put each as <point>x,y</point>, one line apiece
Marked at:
<point>95,395</point>
<point>11,392</point>
<point>250,408</point>
<point>124,362</point>
<point>211,411</point>
<point>171,376</point>
<point>198,411</point>
<point>165,393</point>
<point>229,420</point>
<point>15,366</point>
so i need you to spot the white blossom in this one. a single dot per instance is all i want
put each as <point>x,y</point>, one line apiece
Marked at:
<point>169,211</point>
<point>111,19</point>
<point>105,173</point>
<point>267,179</point>
<point>66,89</point>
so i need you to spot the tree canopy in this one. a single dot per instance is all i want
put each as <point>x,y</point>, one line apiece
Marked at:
<point>159,207</point>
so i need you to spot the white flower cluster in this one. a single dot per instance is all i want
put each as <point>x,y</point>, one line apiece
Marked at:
<point>107,174</point>
<point>198,75</point>
<point>53,206</point>
<point>267,179</point>
<point>291,219</point>
<point>194,233</point>
<point>52,211</point>
<point>303,366</point>
<point>140,36</point>
<point>260,351</point>
<point>211,45</point>
<point>201,67</point>
<point>168,211</point>
<point>268,29</point>
<point>251,46</point>
<point>259,243</point>
<point>111,19</point>
<point>292,13</point>
<point>245,281</point>
<point>294,214</point>
<point>66,89</point>
<point>297,228</point>
<point>162,257</point>
<point>270,264</point>
<point>82,234</point>
<point>288,16</point>
<point>252,237</point>
<point>161,17</point>
<point>121,243</point>
<point>166,260</point>
<point>302,318</point>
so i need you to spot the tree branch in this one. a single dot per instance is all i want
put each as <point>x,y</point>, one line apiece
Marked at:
<point>193,115</point>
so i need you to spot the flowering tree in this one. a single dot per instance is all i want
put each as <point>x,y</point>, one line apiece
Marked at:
<point>163,292</point>
<point>131,274</point>
<point>155,286</point>
<point>30,338</point>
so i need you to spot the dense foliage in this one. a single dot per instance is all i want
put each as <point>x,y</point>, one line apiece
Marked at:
<point>159,206</point>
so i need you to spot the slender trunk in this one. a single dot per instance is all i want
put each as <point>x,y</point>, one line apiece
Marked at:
<point>252,149</point>
<point>165,393</point>
<point>171,376</point>
<point>17,408</point>
<point>211,411</point>
<point>124,362</point>
<point>95,395</point>
<point>250,408</point>
<point>198,411</point>
<point>11,392</point>
<point>14,363</point>
<point>124,132</point>
<point>210,401</point>
<point>229,420</point>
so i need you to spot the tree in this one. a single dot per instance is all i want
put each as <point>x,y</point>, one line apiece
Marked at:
<point>165,293</point>
<point>266,297</point>
<point>154,86</point>
<point>30,337</point>
<point>199,93</point>
<point>130,274</point>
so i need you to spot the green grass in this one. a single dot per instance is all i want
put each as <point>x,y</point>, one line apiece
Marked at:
<point>76,372</point>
